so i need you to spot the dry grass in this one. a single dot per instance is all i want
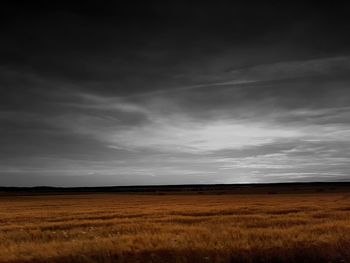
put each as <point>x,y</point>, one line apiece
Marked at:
<point>175,228</point>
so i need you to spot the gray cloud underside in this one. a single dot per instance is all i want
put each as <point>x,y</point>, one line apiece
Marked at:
<point>285,121</point>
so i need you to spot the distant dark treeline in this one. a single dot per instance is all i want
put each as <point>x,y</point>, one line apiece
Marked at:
<point>277,188</point>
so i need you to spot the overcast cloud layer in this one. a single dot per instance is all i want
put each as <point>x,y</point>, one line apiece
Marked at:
<point>174,94</point>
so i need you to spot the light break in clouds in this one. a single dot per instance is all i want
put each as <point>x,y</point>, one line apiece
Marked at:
<point>174,94</point>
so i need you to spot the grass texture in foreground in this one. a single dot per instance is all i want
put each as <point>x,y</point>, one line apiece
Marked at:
<point>175,228</point>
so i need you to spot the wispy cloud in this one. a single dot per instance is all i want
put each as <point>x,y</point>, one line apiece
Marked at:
<point>183,133</point>
<point>262,73</point>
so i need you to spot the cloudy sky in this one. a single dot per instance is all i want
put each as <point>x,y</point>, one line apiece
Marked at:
<point>174,93</point>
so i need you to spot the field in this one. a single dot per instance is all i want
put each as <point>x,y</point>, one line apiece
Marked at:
<point>304,227</point>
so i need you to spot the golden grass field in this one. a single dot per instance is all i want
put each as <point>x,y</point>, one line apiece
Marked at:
<point>175,228</point>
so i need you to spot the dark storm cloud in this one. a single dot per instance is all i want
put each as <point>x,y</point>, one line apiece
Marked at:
<point>156,41</point>
<point>173,93</point>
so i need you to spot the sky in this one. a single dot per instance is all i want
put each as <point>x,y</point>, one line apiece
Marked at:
<point>179,92</point>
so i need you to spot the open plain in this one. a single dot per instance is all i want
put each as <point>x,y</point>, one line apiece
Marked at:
<point>272,227</point>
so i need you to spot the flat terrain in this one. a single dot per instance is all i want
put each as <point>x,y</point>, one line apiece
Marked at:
<point>305,227</point>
